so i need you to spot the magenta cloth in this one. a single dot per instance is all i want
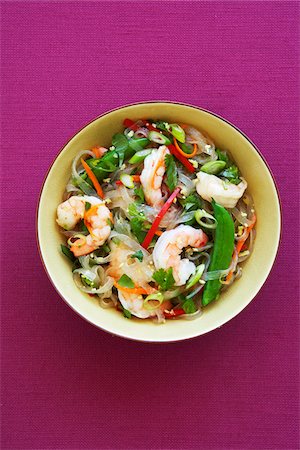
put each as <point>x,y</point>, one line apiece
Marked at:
<point>66,384</point>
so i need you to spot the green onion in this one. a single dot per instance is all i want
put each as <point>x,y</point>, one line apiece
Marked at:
<point>127,180</point>
<point>196,277</point>
<point>139,156</point>
<point>177,132</point>
<point>159,138</point>
<point>76,236</point>
<point>202,214</point>
<point>213,167</point>
<point>137,144</point>
<point>126,281</point>
<point>153,301</point>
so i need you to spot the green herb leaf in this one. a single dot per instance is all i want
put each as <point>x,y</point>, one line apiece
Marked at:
<point>139,193</point>
<point>171,172</point>
<point>134,211</point>
<point>136,226</point>
<point>161,125</point>
<point>83,227</point>
<point>191,203</point>
<point>164,278</point>
<point>232,174</point>
<point>189,306</point>
<point>120,142</point>
<point>138,144</point>
<point>138,255</point>
<point>87,206</point>
<point>126,313</point>
<point>222,156</point>
<point>67,252</point>
<point>126,281</point>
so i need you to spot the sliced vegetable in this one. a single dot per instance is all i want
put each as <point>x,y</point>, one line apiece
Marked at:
<point>164,278</point>
<point>126,281</point>
<point>240,244</point>
<point>222,251</point>
<point>213,167</point>
<point>222,156</point>
<point>159,217</point>
<point>138,144</point>
<point>196,277</point>
<point>183,153</point>
<point>181,158</point>
<point>126,313</point>
<point>232,174</point>
<point>159,138</point>
<point>210,222</point>
<point>67,252</point>
<point>174,313</point>
<point>176,131</point>
<point>93,179</point>
<point>128,123</point>
<point>153,301</point>
<point>135,290</point>
<point>189,306</point>
<point>138,255</point>
<point>139,193</point>
<point>171,172</point>
<point>127,180</point>
<point>139,156</point>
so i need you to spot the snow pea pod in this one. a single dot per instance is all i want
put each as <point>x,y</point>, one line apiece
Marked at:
<point>222,251</point>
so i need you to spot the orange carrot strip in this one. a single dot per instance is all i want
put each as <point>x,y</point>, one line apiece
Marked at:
<point>96,152</point>
<point>186,155</point>
<point>136,290</point>
<point>158,233</point>
<point>93,179</point>
<point>136,178</point>
<point>240,244</point>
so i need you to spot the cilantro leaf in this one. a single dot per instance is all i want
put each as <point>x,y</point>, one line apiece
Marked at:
<point>164,278</point>
<point>191,202</point>
<point>171,172</point>
<point>137,222</point>
<point>126,281</point>
<point>120,142</point>
<point>87,206</point>
<point>126,313</point>
<point>222,156</point>
<point>139,193</point>
<point>67,252</point>
<point>189,306</point>
<point>138,255</point>
<point>161,125</point>
<point>232,174</point>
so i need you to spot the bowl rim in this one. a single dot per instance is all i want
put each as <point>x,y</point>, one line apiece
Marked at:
<point>115,334</point>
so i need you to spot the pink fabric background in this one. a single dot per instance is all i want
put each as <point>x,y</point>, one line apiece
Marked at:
<point>65,384</point>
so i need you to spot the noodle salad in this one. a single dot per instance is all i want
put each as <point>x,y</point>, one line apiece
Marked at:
<point>156,225</point>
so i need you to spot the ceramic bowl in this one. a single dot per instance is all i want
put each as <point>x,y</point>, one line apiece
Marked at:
<point>256,269</point>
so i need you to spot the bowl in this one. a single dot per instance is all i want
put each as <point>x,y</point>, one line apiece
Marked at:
<point>256,269</point>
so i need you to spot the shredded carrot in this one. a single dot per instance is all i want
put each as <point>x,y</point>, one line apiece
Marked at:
<point>96,152</point>
<point>240,245</point>
<point>136,290</point>
<point>93,178</point>
<point>136,178</point>
<point>158,233</point>
<point>186,155</point>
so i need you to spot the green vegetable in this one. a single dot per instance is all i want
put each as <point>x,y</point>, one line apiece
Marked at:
<point>222,156</point>
<point>213,167</point>
<point>87,281</point>
<point>161,125</point>
<point>196,277</point>
<point>137,222</point>
<point>127,180</point>
<point>189,306</point>
<point>126,313</point>
<point>87,206</point>
<point>171,172</point>
<point>187,148</point>
<point>138,255</point>
<point>191,202</point>
<point>120,142</point>
<point>138,144</point>
<point>164,278</point>
<point>222,251</point>
<point>153,301</point>
<point>159,138</point>
<point>140,156</point>
<point>67,252</point>
<point>126,281</point>
<point>176,131</point>
<point>139,193</point>
<point>210,220</point>
<point>83,227</point>
<point>232,174</point>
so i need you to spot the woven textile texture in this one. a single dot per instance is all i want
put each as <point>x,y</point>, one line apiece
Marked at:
<point>66,384</point>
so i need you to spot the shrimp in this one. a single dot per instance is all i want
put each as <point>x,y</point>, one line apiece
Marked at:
<point>224,193</point>
<point>170,244</point>
<point>97,219</point>
<point>135,304</point>
<point>152,175</point>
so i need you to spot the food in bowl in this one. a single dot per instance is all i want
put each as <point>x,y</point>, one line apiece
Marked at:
<point>156,225</point>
